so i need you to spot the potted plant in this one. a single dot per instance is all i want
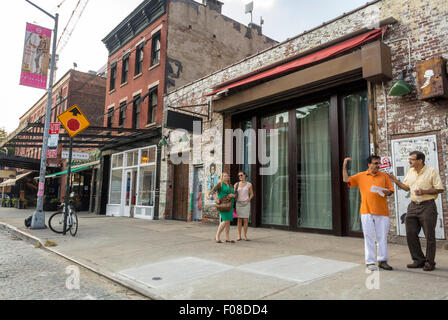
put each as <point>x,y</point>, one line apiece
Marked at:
<point>19,203</point>
<point>14,201</point>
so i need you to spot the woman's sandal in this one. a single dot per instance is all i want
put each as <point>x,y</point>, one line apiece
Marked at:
<point>219,241</point>
<point>231,241</point>
<point>239,239</point>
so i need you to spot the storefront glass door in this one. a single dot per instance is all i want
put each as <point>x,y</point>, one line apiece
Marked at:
<point>314,167</point>
<point>127,193</point>
<point>356,130</point>
<point>275,202</point>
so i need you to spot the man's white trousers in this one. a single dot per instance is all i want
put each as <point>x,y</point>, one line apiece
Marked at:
<point>375,225</point>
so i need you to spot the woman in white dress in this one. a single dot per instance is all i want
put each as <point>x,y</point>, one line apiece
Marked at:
<point>245,193</point>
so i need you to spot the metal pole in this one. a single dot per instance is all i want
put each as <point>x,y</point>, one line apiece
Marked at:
<point>67,184</point>
<point>38,220</point>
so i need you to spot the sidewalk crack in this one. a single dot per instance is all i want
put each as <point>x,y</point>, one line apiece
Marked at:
<point>279,291</point>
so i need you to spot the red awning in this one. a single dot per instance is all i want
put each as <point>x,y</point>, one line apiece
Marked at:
<point>308,59</point>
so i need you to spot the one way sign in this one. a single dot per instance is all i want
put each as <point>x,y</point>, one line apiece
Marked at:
<point>73,120</point>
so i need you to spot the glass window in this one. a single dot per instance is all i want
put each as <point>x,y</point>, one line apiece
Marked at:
<point>146,186</point>
<point>139,59</point>
<point>125,69</point>
<point>145,157</point>
<point>110,117</point>
<point>122,114</point>
<point>152,105</point>
<point>357,147</point>
<point>314,167</point>
<point>275,202</point>
<point>136,112</point>
<point>155,53</point>
<point>148,156</point>
<point>115,188</point>
<point>117,160</point>
<point>113,75</point>
<point>132,158</point>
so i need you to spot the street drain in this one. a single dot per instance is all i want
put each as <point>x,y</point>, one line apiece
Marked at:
<point>157,278</point>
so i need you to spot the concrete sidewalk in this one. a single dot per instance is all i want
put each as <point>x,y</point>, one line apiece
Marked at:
<point>178,260</point>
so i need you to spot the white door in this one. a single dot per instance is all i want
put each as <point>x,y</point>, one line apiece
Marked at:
<point>400,154</point>
<point>127,193</point>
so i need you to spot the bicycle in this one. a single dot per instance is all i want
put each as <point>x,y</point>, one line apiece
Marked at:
<point>56,221</point>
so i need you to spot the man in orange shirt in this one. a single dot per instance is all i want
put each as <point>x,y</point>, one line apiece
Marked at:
<point>374,186</point>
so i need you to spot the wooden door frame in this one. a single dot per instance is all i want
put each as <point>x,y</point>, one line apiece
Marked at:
<point>185,205</point>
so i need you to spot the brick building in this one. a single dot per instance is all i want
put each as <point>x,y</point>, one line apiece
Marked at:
<point>83,89</point>
<point>328,93</point>
<point>159,47</point>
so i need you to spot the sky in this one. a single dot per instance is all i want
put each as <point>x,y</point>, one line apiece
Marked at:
<point>283,19</point>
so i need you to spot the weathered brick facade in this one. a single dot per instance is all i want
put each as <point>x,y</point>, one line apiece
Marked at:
<point>195,39</point>
<point>424,23</point>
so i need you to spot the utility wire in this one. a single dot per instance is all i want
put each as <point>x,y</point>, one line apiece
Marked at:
<point>66,34</point>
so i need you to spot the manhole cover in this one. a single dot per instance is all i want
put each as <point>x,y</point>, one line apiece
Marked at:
<point>157,278</point>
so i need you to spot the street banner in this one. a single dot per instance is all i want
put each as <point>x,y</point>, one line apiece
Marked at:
<point>36,57</point>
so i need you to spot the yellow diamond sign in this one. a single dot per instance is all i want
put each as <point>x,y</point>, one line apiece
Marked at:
<point>73,120</point>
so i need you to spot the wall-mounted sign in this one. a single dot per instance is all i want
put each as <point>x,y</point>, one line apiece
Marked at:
<point>432,79</point>
<point>76,155</point>
<point>386,164</point>
<point>177,120</point>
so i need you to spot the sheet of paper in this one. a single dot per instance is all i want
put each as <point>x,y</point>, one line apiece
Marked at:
<point>378,190</point>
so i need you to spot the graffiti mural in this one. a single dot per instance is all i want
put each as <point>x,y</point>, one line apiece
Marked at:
<point>212,181</point>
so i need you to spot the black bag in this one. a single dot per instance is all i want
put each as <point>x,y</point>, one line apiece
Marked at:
<point>28,221</point>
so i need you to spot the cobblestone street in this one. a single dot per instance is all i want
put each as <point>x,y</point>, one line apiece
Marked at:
<point>28,273</point>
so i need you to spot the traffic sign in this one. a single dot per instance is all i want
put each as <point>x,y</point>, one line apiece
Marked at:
<point>73,120</point>
<point>76,155</point>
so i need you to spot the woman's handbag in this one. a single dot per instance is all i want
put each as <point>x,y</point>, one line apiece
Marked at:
<point>225,204</point>
<point>234,214</point>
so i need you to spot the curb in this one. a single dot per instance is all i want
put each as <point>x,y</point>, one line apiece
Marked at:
<point>119,279</point>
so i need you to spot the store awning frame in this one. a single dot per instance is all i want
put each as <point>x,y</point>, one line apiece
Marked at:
<point>19,162</point>
<point>301,62</point>
<point>30,135</point>
<point>74,169</point>
<point>11,182</point>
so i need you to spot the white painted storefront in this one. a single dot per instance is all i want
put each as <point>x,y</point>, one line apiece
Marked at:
<point>132,183</point>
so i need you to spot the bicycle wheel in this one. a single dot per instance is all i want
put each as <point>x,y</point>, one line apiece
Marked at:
<point>56,222</point>
<point>74,224</point>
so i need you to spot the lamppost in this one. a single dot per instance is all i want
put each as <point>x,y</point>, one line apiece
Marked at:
<point>38,221</point>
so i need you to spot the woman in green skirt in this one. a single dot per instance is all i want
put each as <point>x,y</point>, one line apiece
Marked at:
<point>221,190</point>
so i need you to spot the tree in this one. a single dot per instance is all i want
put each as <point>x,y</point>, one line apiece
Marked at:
<point>3,136</point>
